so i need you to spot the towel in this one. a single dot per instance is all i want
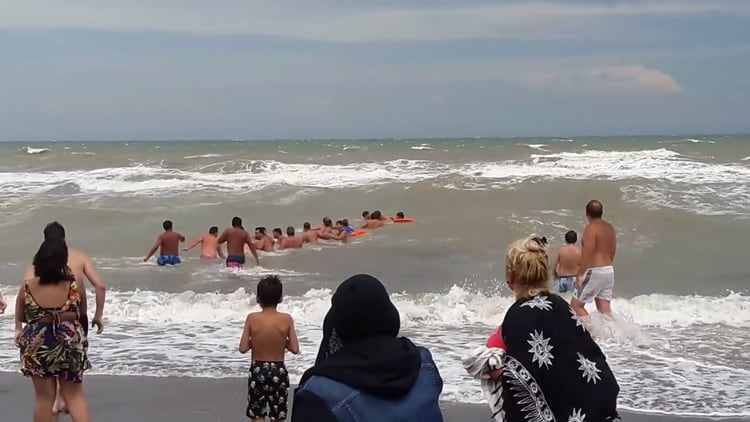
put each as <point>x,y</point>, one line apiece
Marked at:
<point>478,364</point>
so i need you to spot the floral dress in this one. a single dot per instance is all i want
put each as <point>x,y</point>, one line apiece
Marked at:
<point>53,349</point>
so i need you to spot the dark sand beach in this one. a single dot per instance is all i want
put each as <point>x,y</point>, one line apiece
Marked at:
<point>122,398</point>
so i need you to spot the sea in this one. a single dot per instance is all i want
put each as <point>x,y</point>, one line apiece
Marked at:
<point>679,203</point>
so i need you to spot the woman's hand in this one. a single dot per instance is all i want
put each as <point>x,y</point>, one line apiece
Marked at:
<point>3,304</point>
<point>17,338</point>
<point>496,374</point>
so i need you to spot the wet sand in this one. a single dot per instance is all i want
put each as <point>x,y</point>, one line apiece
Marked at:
<point>121,399</point>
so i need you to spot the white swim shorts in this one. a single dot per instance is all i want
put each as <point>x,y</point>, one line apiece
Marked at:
<point>597,283</point>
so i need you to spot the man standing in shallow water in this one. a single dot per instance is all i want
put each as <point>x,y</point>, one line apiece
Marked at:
<point>168,245</point>
<point>236,238</point>
<point>210,248</point>
<point>596,274</point>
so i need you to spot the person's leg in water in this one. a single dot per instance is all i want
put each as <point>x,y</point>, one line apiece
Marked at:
<point>579,307</point>
<point>604,308</point>
<point>59,405</point>
<point>44,390</point>
<point>77,406</point>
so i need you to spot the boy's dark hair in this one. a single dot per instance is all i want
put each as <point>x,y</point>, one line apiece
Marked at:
<point>236,222</point>
<point>339,222</point>
<point>54,230</point>
<point>571,237</point>
<point>365,214</point>
<point>269,291</point>
<point>376,215</point>
<point>290,231</point>
<point>167,225</point>
<point>261,230</point>
<point>277,230</point>
<point>327,222</point>
<point>213,230</point>
<point>306,226</point>
<point>345,222</point>
<point>400,214</point>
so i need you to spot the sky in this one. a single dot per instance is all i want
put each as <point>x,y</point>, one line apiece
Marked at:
<point>260,69</point>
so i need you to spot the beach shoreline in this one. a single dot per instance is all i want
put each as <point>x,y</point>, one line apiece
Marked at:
<point>128,398</point>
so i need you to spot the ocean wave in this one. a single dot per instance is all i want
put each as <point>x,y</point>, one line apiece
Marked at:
<point>189,326</point>
<point>30,150</point>
<point>203,156</point>
<point>676,180</point>
<point>538,147</point>
<point>423,147</point>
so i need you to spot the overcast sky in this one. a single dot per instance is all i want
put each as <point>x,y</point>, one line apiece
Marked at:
<point>251,69</point>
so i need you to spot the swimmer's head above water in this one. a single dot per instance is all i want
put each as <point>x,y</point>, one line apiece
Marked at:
<point>376,215</point>
<point>167,224</point>
<point>306,226</point>
<point>237,223</point>
<point>214,230</point>
<point>290,231</point>
<point>366,215</point>
<point>327,222</point>
<point>345,222</point>
<point>400,214</point>
<point>277,234</point>
<point>260,232</point>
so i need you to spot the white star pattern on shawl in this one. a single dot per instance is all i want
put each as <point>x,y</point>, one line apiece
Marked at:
<point>540,349</point>
<point>589,369</point>
<point>539,302</point>
<point>577,416</point>
<point>579,321</point>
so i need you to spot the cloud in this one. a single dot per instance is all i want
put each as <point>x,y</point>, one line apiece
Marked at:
<point>328,21</point>
<point>633,79</point>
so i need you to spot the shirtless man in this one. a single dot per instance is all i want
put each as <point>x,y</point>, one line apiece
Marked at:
<point>374,222</point>
<point>83,268</point>
<point>324,231</point>
<point>277,236</point>
<point>168,245</point>
<point>365,215</point>
<point>263,241</point>
<point>596,275</point>
<point>566,264</point>
<point>340,232</point>
<point>210,248</point>
<point>236,238</point>
<point>309,235</point>
<point>3,304</point>
<point>290,241</point>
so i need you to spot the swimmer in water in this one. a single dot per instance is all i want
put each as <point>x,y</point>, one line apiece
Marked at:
<point>339,233</point>
<point>210,248</point>
<point>566,264</point>
<point>349,229</point>
<point>237,239</point>
<point>365,215</point>
<point>324,231</point>
<point>290,241</point>
<point>277,236</point>
<point>375,221</point>
<point>309,235</point>
<point>168,245</point>
<point>263,242</point>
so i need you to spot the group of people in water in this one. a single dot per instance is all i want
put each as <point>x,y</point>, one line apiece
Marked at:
<point>541,364</point>
<point>240,243</point>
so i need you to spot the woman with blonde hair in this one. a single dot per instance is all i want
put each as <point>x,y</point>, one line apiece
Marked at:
<point>552,368</point>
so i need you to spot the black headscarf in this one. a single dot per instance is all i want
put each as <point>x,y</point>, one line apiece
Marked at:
<point>360,347</point>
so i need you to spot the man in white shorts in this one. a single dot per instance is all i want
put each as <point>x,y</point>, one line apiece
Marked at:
<point>596,275</point>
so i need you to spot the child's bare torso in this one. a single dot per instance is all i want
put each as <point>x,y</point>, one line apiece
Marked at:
<point>269,334</point>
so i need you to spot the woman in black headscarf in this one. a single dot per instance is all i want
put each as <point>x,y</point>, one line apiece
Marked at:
<point>364,371</point>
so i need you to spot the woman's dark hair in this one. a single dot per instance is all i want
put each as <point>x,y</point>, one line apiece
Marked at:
<point>51,262</point>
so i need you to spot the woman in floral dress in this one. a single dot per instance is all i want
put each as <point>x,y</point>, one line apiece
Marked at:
<point>53,344</point>
<point>552,369</point>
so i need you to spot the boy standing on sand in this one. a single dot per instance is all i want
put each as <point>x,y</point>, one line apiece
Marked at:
<point>210,248</point>
<point>268,334</point>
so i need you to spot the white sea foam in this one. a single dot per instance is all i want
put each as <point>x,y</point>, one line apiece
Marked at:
<point>30,150</point>
<point>538,147</point>
<point>190,326</point>
<point>423,147</point>
<point>203,156</point>
<point>663,178</point>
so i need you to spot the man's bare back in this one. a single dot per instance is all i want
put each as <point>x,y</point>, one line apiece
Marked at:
<point>269,334</point>
<point>290,242</point>
<point>236,238</point>
<point>310,236</point>
<point>568,260</point>
<point>210,248</point>
<point>372,224</point>
<point>265,244</point>
<point>599,244</point>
